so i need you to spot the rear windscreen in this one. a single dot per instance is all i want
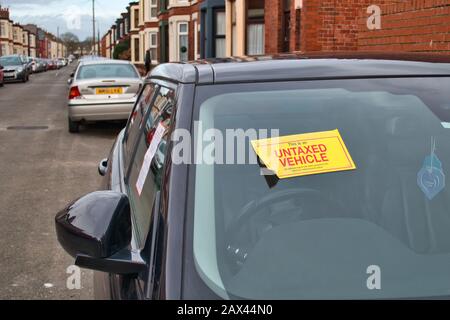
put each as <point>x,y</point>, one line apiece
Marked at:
<point>105,71</point>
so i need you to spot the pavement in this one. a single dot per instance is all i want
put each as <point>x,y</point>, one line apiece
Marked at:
<point>42,168</point>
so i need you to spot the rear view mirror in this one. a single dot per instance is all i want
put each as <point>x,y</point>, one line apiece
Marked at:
<point>96,230</point>
<point>72,74</point>
<point>1,67</point>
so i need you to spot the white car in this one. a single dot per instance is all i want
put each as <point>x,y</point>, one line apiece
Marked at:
<point>102,90</point>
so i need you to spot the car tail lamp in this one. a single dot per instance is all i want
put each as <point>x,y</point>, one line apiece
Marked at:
<point>74,93</point>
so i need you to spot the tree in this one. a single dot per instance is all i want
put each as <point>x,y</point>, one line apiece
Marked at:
<point>71,41</point>
<point>86,45</point>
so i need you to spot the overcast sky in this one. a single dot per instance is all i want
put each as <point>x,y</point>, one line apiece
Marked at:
<point>69,15</point>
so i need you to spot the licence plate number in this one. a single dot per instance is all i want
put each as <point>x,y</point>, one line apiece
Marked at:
<point>108,91</point>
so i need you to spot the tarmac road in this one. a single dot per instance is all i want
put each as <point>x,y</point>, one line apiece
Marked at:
<point>42,168</point>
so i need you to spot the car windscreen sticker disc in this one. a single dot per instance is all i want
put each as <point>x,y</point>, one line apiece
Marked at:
<point>431,178</point>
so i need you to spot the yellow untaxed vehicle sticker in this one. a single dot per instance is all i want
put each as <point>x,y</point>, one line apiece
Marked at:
<point>304,154</point>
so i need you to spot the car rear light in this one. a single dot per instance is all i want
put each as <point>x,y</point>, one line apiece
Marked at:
<point>74,93</point>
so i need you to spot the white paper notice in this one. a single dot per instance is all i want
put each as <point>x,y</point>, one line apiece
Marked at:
<point>154,144</point>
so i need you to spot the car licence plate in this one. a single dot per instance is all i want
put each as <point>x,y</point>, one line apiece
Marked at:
<point>109,91</point>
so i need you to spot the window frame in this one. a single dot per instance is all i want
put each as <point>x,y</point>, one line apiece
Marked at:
<point>153,46</point>
<point>127,129</point>
<point>215,34</point>
<point>128,167</point>
<point>179,35</point>
<point>253,21</point>
<point>152,6</point>
<point>159,84</point>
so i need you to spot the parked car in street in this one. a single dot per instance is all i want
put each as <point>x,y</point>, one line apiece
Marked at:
<point>51,65</point>
<point>33,65</point>
<point>29,63</point>
<point>62,62</point>
<point>102,90</point>
<point>2,80</point>
<point>15,68</point>
<point>36,65</point>
<point>40,65</point>
<point>355,184</point>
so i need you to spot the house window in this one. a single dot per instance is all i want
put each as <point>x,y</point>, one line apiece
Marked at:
<point>153,45</point>
<point>255,27</point>
<point>136,18</point>
<point>136,49</point>
<point>3,30</point>
<point>220,45</point>
<point>183,41</point>
<point>153,9</point>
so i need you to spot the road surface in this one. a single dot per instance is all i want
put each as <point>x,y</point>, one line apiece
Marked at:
<point>42,168</point>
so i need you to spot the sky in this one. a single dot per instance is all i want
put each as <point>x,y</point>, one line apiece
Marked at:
<point>69,15</point>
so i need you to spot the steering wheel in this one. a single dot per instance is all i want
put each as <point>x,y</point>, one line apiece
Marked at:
<point>292,205</point>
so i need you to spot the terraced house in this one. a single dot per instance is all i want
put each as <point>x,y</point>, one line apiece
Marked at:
<point>180,30</point>
<point>29,40</point>
<point>6,32</point>
<point>31,31</point>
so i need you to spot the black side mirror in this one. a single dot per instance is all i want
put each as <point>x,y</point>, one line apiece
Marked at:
<point>1,67</point>
<point>96,230</point>
<point>72,75</point>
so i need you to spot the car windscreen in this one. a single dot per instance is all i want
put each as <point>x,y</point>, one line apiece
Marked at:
<point>106,71</point>
<point>10,61</point>
<point>380,230</point>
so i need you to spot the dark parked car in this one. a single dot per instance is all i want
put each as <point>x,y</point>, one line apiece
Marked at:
<point>44,64</point>
<point>365,202</point>
<point>2,80</point>
<point>15,68</point>
<point>41,66</point>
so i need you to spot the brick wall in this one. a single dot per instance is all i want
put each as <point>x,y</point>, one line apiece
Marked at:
<point>333,25</point>
<point>419,25</point>
<point>273,20</point>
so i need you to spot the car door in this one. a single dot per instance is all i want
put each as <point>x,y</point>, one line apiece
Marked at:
<point>148,132</point>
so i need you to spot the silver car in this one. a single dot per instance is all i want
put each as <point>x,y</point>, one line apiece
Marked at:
<point>102,90</point>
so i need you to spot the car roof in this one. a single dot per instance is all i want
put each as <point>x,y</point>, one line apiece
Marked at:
<point>304,66</point>
<point>103,61</point>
